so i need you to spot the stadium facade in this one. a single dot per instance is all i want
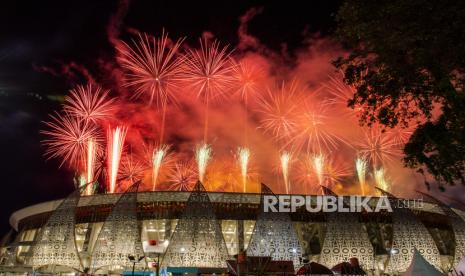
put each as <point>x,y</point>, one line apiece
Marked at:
<point>199,229</point>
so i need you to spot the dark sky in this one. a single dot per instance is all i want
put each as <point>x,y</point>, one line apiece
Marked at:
<point>34,34</point>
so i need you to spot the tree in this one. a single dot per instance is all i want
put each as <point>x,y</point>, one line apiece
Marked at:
<point>406,60</point>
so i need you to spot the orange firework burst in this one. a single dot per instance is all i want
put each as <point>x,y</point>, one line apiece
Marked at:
<point>378,147</point>
<point>249,78</point>
<point>183,176</point>
<point>67,138</point>
<point>89,103</point>
<point>280,111</point>
<point>314,132</point>
<point>209,70</point>
<point>208,73</point>
<point>305,176</point>
<point>115,143</point>
<point>131,169</point>
<point>400,135</point>
<point>336,171</point>
<point>341,94</point>
<point>153,68</point>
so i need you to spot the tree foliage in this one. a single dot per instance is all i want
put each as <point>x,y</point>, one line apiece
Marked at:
<point>407,61</point>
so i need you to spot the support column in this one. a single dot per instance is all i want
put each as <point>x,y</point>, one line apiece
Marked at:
<point>168,229</point>
<point>240,236</point>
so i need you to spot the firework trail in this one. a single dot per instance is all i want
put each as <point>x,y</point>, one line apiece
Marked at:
<point>158,157</point>
<point>381,180</point>
<point>202,156</point>
<point>89,103</point>
<point>67,139</point>
<point>208,72</point>
<point>115,143</point>
<point>90,164</point>
<point>131,169</point>
<point>285,159</point>
<point>280,112</point>
<point>243,155</point>
<point>361,166</point>
<point>378,148</point>
<point>153,70</point>
<point>183,176</point>
<point>318,164</point>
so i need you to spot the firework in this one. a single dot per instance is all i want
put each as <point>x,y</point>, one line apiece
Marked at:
<point>89,103</point>
<point>280,111</point>
<point>341,94</point>
<point>313,130</point>
<point>243,155</point>
<point>285,159</point>
<point>208,73</point>
<point>67,139</point>
<point>399,135</point>
<point>152,66</point>
<point>158,157</point>
<point>248,77</point>
<point>131,169</point>
<point>115,145</point>
<point>336,171</point>
<point>183,176</point>
<point>208,70</point>
<point>202,156</point>
<point>361,167</point>
<point>90,164</point>
<point>318,164</point>
<point>381,180</point>
<point>378,148</point>
<point>154,70</point>
<point>304,175</point>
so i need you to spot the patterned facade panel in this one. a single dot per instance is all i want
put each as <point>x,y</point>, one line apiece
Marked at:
<point>197,240</point>
<point>274,236</point>
<point>171,197</point>
<point>346,238</point>
<point>120,236</point>
<point>460,213</point>
<point>55,243</point>
<point>410,233</point>
<point>458,226</point>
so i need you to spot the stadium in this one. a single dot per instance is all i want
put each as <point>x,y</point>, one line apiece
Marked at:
<point>200,232</point>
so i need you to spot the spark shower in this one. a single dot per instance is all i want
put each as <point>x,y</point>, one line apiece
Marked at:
<point>228,117</point>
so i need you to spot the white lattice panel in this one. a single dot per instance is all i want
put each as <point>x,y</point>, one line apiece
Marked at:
<point>197,240</point>
<point>345,238</point>
<point>55,243</point>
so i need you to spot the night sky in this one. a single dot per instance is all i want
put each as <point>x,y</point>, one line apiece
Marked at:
<point>38,38</point>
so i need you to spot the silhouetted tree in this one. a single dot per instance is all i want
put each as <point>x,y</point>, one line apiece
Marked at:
<point>406,60</point>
